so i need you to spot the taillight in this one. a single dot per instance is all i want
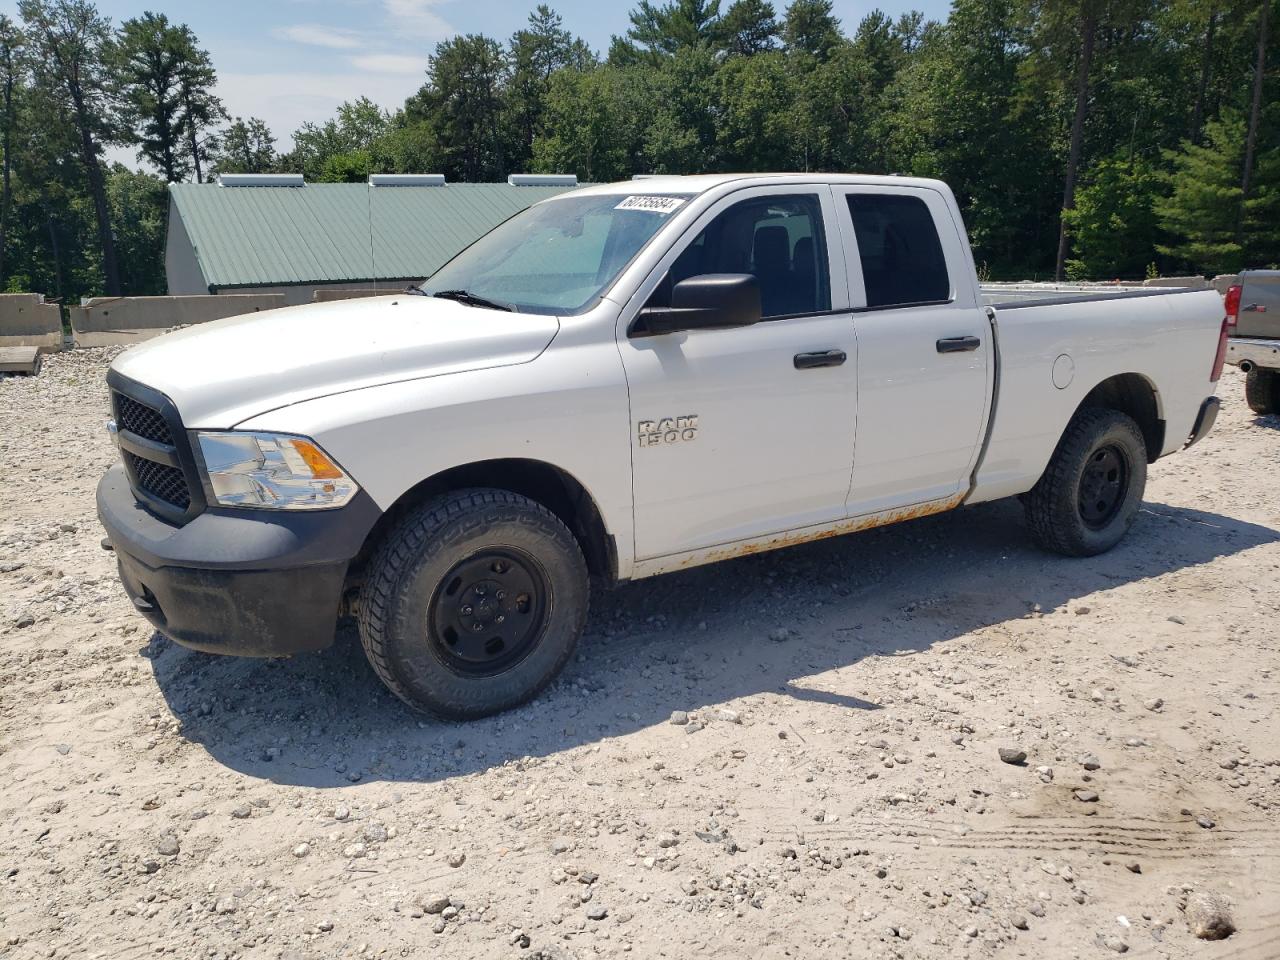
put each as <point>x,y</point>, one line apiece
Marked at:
<point>1232,303</point>
<point>1221,357</point>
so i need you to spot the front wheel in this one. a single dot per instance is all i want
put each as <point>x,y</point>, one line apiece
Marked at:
<point>1090,493</point>
<point>474,603</point>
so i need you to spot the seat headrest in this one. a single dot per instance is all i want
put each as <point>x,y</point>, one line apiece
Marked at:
<point>803,255</point>
<point>772,249</point>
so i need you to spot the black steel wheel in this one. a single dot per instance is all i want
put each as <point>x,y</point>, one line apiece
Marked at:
<point>473,603</point>
<point>488,612</point>
<point>1103,485</point>
<point>1090,492</point>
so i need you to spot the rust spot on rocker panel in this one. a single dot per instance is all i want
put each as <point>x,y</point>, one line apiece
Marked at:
<point>848,526</point>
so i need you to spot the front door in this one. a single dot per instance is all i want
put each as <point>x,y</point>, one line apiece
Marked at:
<point>924,348</point>
<point>744,432</point>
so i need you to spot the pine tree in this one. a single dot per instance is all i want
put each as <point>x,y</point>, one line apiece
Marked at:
<point>1200,212</point>
<point>749,27</point>
<point>246,146</point>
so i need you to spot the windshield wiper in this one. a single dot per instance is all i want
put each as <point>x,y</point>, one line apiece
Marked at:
<point>471,299</point>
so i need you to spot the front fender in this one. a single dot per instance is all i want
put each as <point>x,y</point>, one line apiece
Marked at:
<point>567,409</point>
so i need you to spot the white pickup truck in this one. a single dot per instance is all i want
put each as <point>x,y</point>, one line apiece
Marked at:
<point>619,382</point>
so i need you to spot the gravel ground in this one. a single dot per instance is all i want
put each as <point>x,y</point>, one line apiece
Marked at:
<point>797,754</point>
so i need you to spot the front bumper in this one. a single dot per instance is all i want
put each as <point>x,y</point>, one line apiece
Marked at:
<point>260,583</point>
<point>1258,351</point>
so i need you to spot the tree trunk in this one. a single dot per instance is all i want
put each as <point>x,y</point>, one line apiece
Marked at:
<point>57,259</point>
<point>1088,26</point>
<point>195,143</point>
<point>98,192</point>
<point>1206,71</point>
<point>7,194</point>
<point>1255,112</point>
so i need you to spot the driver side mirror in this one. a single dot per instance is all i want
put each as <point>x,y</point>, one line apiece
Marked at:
<point>706,302</point>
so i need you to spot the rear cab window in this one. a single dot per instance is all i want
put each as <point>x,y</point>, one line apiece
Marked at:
<point>902,258</point>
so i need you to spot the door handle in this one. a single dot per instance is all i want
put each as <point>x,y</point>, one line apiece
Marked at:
<point>822,358</point>
<point>958,344</point>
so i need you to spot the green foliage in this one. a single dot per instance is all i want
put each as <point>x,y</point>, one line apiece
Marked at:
<point>749,27</point>
<point>592,119</point>
<point>534,55</point>
<point>985,101</point>
<point>1203,210</point>
<point>810,27</point>
<point>336,150</point>
<point>138,201</point>
<point>757,127</point>
<point>675,26</point>
<point>1113,225</point>
<point>463,101</point>
<point>164,85</point>
<point>246,146</point>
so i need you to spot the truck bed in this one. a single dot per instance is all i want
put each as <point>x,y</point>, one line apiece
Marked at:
<point>1057,342</point>
<point>1012,296</point>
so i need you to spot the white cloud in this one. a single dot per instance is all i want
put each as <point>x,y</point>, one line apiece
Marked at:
<point>418,18</point>
<point>286,100</point>
<point>316,35</point>
<point>390,63</point>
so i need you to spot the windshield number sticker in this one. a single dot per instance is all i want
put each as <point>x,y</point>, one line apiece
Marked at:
<point>659,205</point>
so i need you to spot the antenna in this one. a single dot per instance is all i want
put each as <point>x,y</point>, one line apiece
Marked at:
<point>373,257</point>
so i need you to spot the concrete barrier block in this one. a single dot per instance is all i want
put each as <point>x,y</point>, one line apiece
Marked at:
<point>27,321</point>
<point>20,360</point>
<point>112,321</point>
<point>1198,283</point>
<point>1224,280</point>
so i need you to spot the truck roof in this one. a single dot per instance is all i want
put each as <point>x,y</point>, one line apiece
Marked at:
<point>700,183</point>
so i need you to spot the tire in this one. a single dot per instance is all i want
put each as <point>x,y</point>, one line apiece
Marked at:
<point>1090,493</point>
<point>1262,391</point>
<point>474,603</point>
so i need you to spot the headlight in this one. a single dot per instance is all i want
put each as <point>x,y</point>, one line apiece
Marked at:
<point>273,471</point>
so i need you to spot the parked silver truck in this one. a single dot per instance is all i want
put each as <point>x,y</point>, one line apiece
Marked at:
<point>1253,312</point>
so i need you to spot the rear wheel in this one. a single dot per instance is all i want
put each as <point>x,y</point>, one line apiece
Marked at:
<point>474,603</point>
<point>1091,491</point>
<point>1262,391</point>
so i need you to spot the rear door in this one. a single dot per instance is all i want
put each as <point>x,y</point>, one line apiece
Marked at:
<point>923,347</point>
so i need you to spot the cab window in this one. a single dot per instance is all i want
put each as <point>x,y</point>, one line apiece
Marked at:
<point>779,240</point>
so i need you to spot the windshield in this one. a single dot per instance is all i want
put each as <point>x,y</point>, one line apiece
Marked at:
<point>556,257</point>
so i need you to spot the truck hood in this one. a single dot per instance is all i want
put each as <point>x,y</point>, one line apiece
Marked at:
<point>222,373</point>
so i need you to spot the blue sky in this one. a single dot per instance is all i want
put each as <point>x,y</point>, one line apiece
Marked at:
<point>288,61</point>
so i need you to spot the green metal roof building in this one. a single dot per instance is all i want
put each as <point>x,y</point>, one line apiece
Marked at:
<point>275,233</point>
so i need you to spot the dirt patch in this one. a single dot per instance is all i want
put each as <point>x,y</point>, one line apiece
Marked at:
<point>834,789</point>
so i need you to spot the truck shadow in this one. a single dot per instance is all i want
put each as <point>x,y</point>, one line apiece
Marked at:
<point>770,625</point>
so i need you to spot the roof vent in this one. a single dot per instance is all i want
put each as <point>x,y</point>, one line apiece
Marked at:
<point>261,180</point>
<point>543,180</point>
<point>406,179</point>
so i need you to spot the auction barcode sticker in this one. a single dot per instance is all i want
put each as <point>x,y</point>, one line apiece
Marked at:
<point>659,205</point>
